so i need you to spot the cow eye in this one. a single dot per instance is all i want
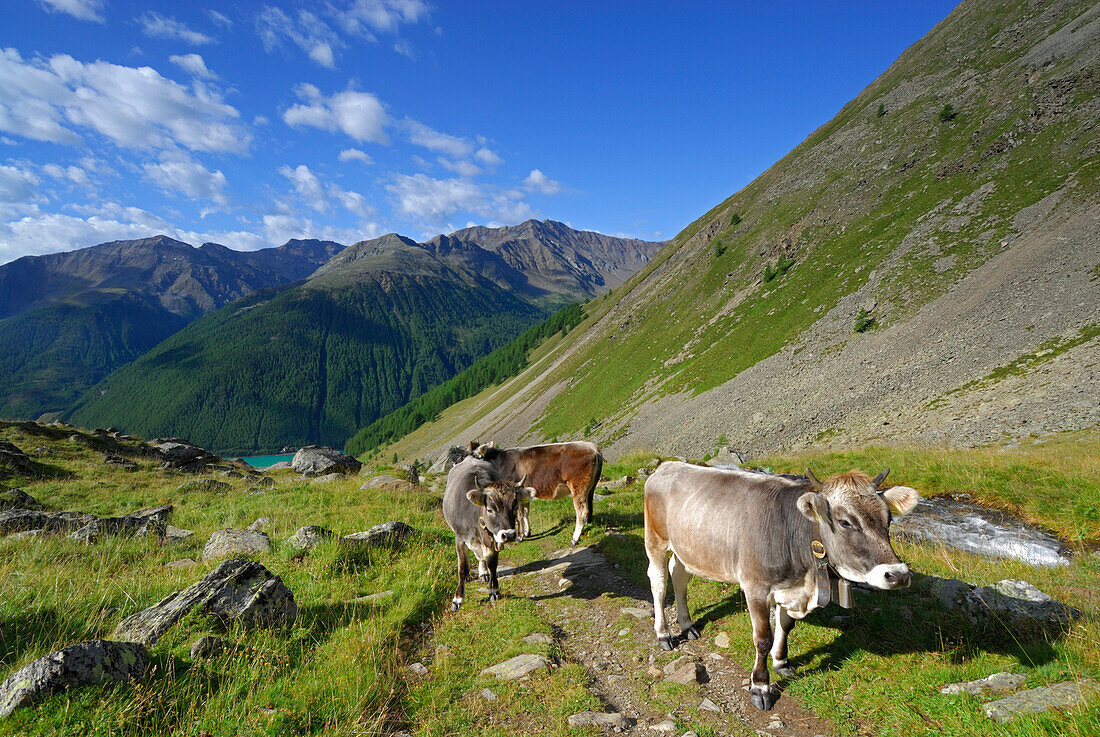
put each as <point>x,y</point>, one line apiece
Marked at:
<point>847,525</point>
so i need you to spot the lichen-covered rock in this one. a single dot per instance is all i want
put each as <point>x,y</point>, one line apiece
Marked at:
<point>997,683</point>
<point>238,591</point>
<point>83,664</point>
<point>13,460</point>
<point>233,542</point>
<point>123,463</point>
<point>261,482</point>
<point>387,482</point>
<point>448,458</point>
<point>260,524</point>
<point>327,478</point>
<point>152,521</point>
<point>211,486</point>
<point>1037,700</point>
<point>308,537</point>
<point>207,647</point>
<point>387,533</point>
<point>1022,608</point>
<point>318,459</point>
<point>516,667</point>
<point>17,499</point>
<point>21,520</point>
<point>181,455</point>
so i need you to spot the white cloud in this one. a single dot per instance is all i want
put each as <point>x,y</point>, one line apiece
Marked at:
<point>358,114</point>
<point>39,233</point>
<point>74,174</point>
<point>307,185</point>
<point>155,25</point>
<point>433,140</point>
<point>175,171</point>
<point>220,19</point>
<point>135,107</point>
<point>353,202</point>
<point>16,185</point>
<point>83,9</point>
<point>537,181</point>
<point>487,157</point>
<point>194,64</point>
<point>307,31</point>
<point>354,154</point>
<point>367,17</point>
<point>462,168</point>
<point>425,198</point>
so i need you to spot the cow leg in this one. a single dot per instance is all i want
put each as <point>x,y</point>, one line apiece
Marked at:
<point>523,524</point>
<point>482,571</point>
<point>463,572</point>
<point>658,583</point>
<point>760,690</point>
<point>680,578</point>
<point>580,505</point>
<point>784,623</point>
<point>494,585</point>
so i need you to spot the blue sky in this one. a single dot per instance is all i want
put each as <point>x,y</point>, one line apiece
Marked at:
<point>251,123</point>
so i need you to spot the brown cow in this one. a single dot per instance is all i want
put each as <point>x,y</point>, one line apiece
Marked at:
<point>777,537</point>
<point>553,470</point>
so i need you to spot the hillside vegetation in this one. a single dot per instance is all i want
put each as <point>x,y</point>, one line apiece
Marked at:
<point>852,291</point>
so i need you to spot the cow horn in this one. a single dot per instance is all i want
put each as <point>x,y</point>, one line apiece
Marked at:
<point>523,481</point>
<point>477,482</point>
<point>814,483</point>
<point>881,477</point>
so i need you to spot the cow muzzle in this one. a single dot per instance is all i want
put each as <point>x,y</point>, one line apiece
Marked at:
<point>504,536</point>
<point>889,576</point>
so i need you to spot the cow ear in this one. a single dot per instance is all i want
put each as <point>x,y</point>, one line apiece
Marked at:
<point>528,492</point>
<point>900,499</point>
<point>477,496</point>
<point>814,507</point>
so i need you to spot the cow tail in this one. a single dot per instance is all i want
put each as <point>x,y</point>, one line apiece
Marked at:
<point>593,483</point>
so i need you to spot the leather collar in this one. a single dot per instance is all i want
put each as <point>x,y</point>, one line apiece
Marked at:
<point>821,564</point>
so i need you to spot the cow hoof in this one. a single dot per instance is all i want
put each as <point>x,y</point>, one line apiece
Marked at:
<point>484,578</point>
<point>454,606</point>
<point>784,671</point>
<point>691,633</point>
<point>494,598</point>
<point>665,643</point>
<point>763,698</point>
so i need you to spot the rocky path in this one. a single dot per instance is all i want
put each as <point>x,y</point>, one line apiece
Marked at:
<point>605,622</point>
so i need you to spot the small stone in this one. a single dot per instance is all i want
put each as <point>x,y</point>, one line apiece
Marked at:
<point>667,726</point>
<point>260,524</point>
<point>776,723</point>
<point>387,533</point>
<point>615,680</point>
<point>675,665</point>
<point>538,638</point>
<point>235,542</point>
<point>689,733</point>
<point>516,667</point>
<point>709,705</point>
<point>488,695</point>
<point>177,533</point>
<point>722,640</point>
<point>638,612</point>
<point>182,563</point>
<point>654,671</point>
<point>207,647</point>
<point>597,719</point>
<point>328,478</point>
<point>1036,700</point>
<point>564,584</point>
<point>419,669</point>
<point>688,673</point>
<point>373,598</point>
<point>624,632</point>
<point>997,683</point>
<point>308,537</point>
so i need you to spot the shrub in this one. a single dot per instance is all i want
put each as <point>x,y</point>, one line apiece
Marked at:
<point>782,266</point>
<point>864,321</point>
<point>947,113</point>
<point>735,219</point>
<point>719,248</point>
<point>881,110</point>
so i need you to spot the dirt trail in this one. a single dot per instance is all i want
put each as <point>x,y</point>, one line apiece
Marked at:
<point>606,623</point>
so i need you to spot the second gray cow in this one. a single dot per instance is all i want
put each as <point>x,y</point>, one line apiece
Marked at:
<point>481,508</point>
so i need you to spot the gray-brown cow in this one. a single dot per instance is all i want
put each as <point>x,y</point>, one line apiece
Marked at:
<point>760,531</point>
<point>553,470</point>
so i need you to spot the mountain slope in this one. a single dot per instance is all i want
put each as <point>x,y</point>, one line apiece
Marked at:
<point>949,211</point>
<point>69,319</point>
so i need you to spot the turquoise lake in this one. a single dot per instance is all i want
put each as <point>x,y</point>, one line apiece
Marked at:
<point>265,461</point>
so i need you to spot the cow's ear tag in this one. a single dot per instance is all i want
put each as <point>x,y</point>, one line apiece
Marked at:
<point>818,549</point>
<point>477,496</point>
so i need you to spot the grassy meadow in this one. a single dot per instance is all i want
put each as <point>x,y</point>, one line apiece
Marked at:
<point>341,669</point>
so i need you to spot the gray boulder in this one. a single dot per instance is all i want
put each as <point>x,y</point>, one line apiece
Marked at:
<point>152,521</point>
<point>212,486</point>
<point>316,460</point>
<point>233,542</point>
<point>13,460</point>
<point>181,455</point>
<point>238,591</point>
<point>1060,696</point>
<point>516,667</point>
<point>598,719</point>
<point>207,647</point>
<point>124,463</point>
<point>1022,608</point>
<point>17,499</point>
<point>997,683</point>
<point>22,520</point>
<point>83,664</point>
<point>447,459</point>
<point>413,474</point>
<point>726,457</point>
<point>261,482</point>
<point>278,466</point>
<point>387,533</point>
<point>308,537</point>
<point>386,482</point>
<point>327,478</point>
